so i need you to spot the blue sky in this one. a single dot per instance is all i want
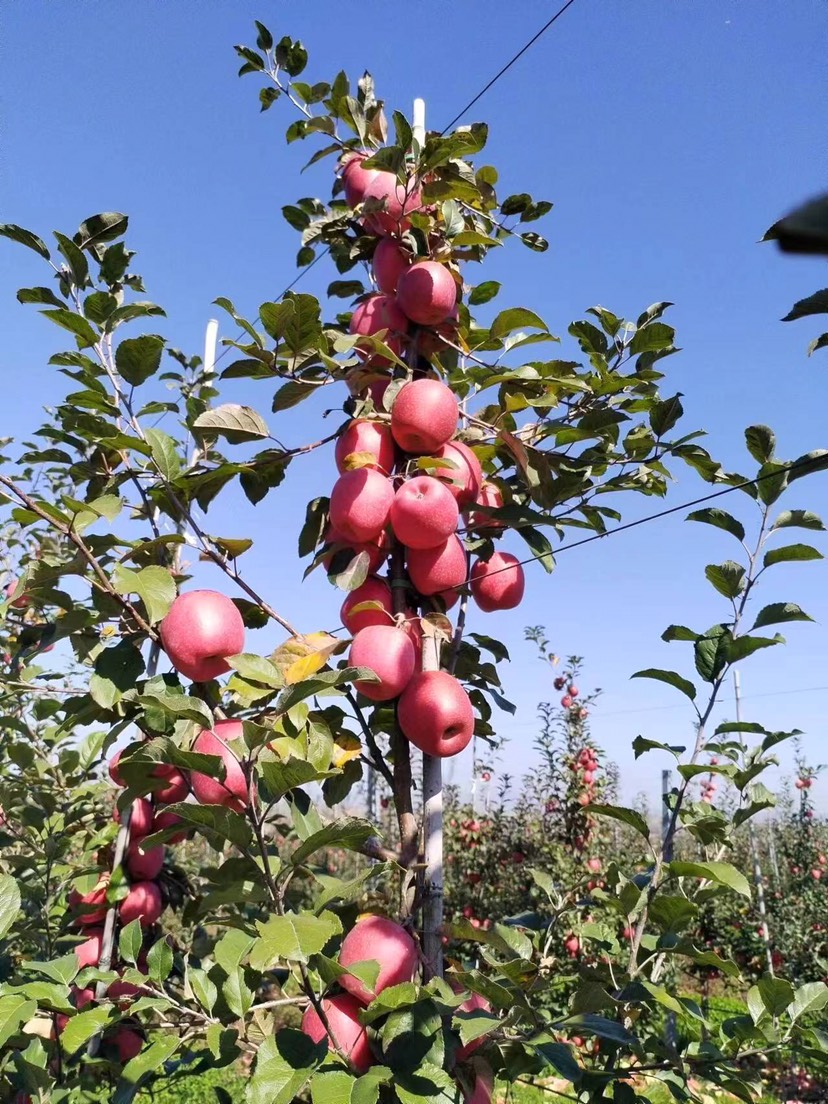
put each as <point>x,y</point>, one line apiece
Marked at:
<point>670,135</point>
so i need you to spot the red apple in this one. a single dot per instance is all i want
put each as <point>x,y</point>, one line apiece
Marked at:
<point>463,480</point>
<point>128,1044</point>
<point>594,864</point>
<point>342,1014</point>
<point>114,773</point>
<point>424,513</point>
<point>372,590</point>
<point>176,787</point>
<point>572,945</point>
<point>483,1090</point>
<point>356,179</point>
<point>143,902</point>
<point>166,819</point>
<point>498,583</point>
<point>473,1003</point>
<point>390,261</point>
<point>427,293</point>
<point>816,873</point>
<point>435,714</point>
<point>573,690</point>
<point>566,701</point>
<point>82,997</point>
<point>491,497</point>
<point>434,570</point>
<point>140,820</point>
<point>143,865</point>
<point>375,314</point>
<point>202,628</point>
<point>366,436</point>
<point>233,790</point>
<point>424,416</point>
<point>377,939</point>
<point>360,504</point>
<point>389,652</point>
<point>376,550</point>
<point>123,992</point>
<point>91,906</point>
<point>88,953</point>
<point>400,200</point>
<point>21,601</point>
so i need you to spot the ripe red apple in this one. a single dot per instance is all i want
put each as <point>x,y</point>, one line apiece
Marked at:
<point>465,478</point>
<point>166,819</point>
<point>175,788</point>
<point>390,654</point>
<point>143,902</point>
<point>573,690</point>
<point>21,601</point>
<point>91,906</point>
<point>124,992</point>
<point>376,550</point>
<point>566,701</point>
<point>589,777</point>
<point>433,570</point>
<point>572,945</point>
<point>360,504</point>
<point>342,1014</point>
<point>435,714</point>
<point>377,313</point>
<point>114,773</point>
<point>498,583</point>
<point>372,590</point>
<point>366,436</point>
<point>594,864</point>
<point>424,416</point>
<point>355,178</point>
<point>473,1003</point>
<point>491,496</point>
<point>202,628</point>
<point>128,1044</point>
<point>144,866</point>
<point>140,820</point>
<point>816,873</point>
<point>424,513</point>
<point>377,939</point>
<point>232,791</point>
<point>88,953</point>
<point>483,1089</point>
<point>427,293</point>
<point>81,997</point>
<point>390,260</point>
<point>401,200</point>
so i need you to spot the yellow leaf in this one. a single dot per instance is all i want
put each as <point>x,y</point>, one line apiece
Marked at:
<point>319,647</point>
<point>346,747</point>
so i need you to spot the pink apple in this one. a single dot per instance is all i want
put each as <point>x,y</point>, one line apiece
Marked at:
<point>594,864</point>
<point>128,1044</point>
<point>143,902</point>
<point>427,293</point>
<point>491,497</point>
<point>434,570</point>
<point>389,653</point>
<point>88,953</point>
<point>400,200</point>
<point>483,1089</point>
<point>21,601</point>
<point>498,583</point>
<point>424,416</point>
<point>165,819</point>
<point>114,773</point>
<point>372,590</point>
<point>144,865</point>
<point>356,179</point>
<point>465,478</point>
<point>435,714</point>
<point>377,939</point>
<point>91,906</point>
<point>202,628</point>
<point>140,820</point>
<point>377,550</point>
<point>233,790</point>
<point>360,504</point>
<point>342,1014</point>
<point>375,314</point>
<point>123,992</point>
<point>389,262</point>
<point>365,436</point>
<point>175,788</point>
<point>424,513</point>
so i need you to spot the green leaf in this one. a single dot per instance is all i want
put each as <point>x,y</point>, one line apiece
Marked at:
<point>117,670</point>
<point>284,1064</point>
<point>236,423</point>
<point>9,903</point>
<point>810,997</point>
<point>325,680</point>
<point>728,578</point>
<point>812,304</point>
<point>154,585</point>
<point>540,546</point>
<point>590,1024</point>
<point>798,519</point>
<point>721,519</point>
<point>237,993</point>
<point>673,913</point>
<point>139,358</point>
<point>216,823</point>
<point>679,632</point>
<point>75,323</point>
<point>740,647</point>
<point>256,668</point>
<point>672,678</point>
<point>664,414</point>
<point>103,227</point>
<point>719,872</point>
<point>39,295</point>
<point>336,1086</point>
<point>130,941</point>
<point>513,319</point>
<point>205,990</point>
<point>652,338</point>
<point>82,1027</point>
<point>160,961</point>
<point>761,443</point>
<point>294,937</point>
<point>789,553</point>
<point>264,39</point>
<point>484,292</point>
<point>779,612</point>
<point>560,1057</point>
<point>24,237</point>
<point>350,833</point>
<point>776,994</point>
<point>711,652</point>
<point>164,454</point>
<point>232,949</point>
<point>14,1011</point>
<point>160,1050</point>
<point>772,481</point>
<point>641,745</point>
<point>626,816</point>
